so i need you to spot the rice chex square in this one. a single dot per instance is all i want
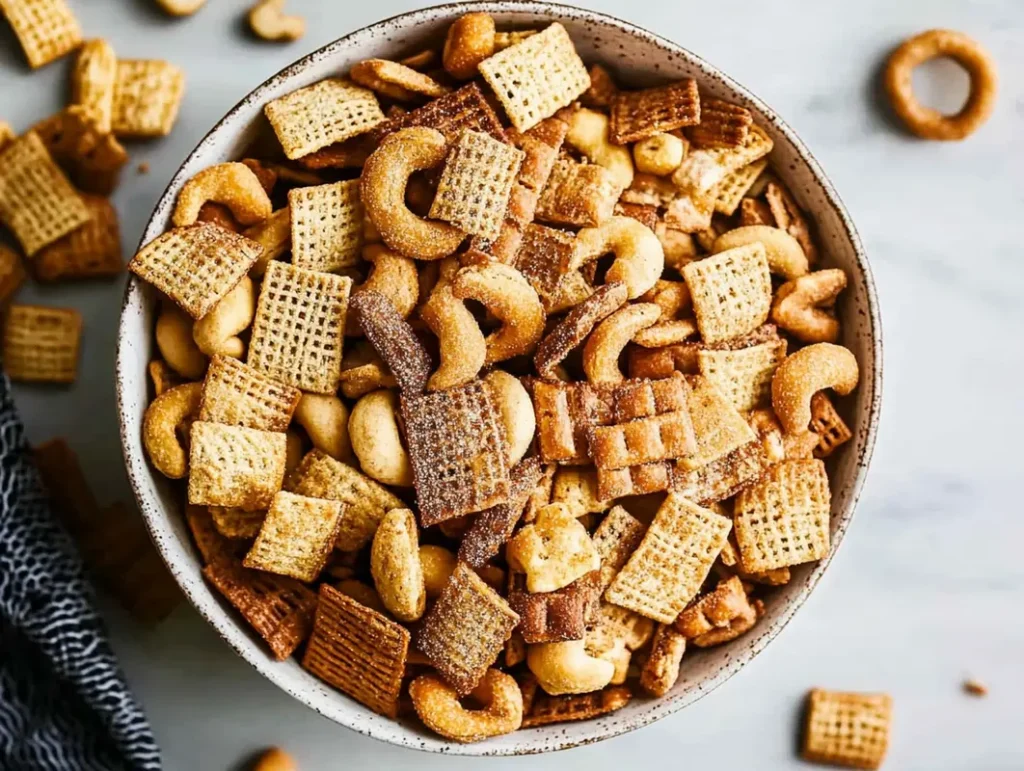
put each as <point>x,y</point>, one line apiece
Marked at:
<point>238,395</point>
<point>41,344</point>
<point>147,95</point>
<point>297,536</point>
<point>327,225</point>
<point>235,466</point>
<point>731,291</point>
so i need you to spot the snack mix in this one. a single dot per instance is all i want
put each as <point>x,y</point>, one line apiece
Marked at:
<point>495,387</point>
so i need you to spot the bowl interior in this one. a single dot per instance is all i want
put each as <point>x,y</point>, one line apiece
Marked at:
<point>639,58</point>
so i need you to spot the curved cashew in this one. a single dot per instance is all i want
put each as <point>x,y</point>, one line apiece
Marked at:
<point>376,440</point>
<point>268,20</point>
<point>785,255</point>
<point>438,706</point>
<point>395,80</point>
<point>394,276</point>
<point>565,667</point>
<point>515,410</point>
<point>553,550</point>
<point>588,133</point>
<point>809,370</point>
<point>469,41</point>
<point>437,564</point>
<point>603,347</point>
<point>216,333</point>
<point>181,7</point>
<point>795,306</point>
<point>659,154</point>
<point>232,184</point>
<point>165,414</point>
<point>177,346</point>
<point>382,187</point>
<point>506,293</point>
<point>666,333</point>
<point>462,344</point>
<point>395,565</point>
<point>639,258</point>
<point>325,419</point>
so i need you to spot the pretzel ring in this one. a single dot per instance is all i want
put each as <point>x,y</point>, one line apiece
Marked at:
<point>809,370</point>
<point>795,306</point>
<point>924,121</point>
<point>462,344</point>
<point>324,417</point>
<point>165,414</point>
<point>565,667</point>
<point>469,41</point>
<point>786,257</point>
<point>395,565</point>
<point>604,346</point>
<point>393,276</point>
<point>217,331</point>
<point>176,343</point>
<point>639,258</point>
<point>438,706</point>
<point>232,184</point>
<point>382,187</point>
<point>506,293</point>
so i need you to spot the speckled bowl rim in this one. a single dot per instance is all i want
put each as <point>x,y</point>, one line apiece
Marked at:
<point>218,616</point>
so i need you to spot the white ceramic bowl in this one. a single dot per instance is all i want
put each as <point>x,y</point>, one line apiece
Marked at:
<point>639,58</point>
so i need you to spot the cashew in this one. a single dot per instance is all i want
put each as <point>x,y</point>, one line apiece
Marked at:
<point>809,370</point>
<point>232,184</point>
<point>395,565</point>
<point>639,258</point>
<point>516,412</point>
<point>437,564</point>
<point>672,297</point>
<point>565,667</point>
<point>553,551</point>
<point>438,706</point>
<point>394,276</point>
<point>659,154</point>
<point>785,256</point>
<point>588,133</point>
<point>177,347</point>
<point>462,344</point>
<point>216,333</point>
<point>382,186</point>
<point>469,41</point>
<point>506,293</point>
<point>165,415</point>
<point>795,308</point>
<point>376,440</point>
<point>181,7</point>
<point>605,344</point>
<point>268,21</point>
<point>325,419</point>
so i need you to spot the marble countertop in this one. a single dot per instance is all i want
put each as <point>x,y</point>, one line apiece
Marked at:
<point>928,586</point>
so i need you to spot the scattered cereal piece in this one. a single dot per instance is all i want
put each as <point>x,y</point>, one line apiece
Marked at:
<point>147,95</point>
<point>12,274</point>
<point>91,251</point>
<point>41,344</point>
<point>46,29</point>
<point>847,729</point>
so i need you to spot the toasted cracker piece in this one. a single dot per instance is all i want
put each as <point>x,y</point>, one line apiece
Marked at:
<point>89,155</point>
<point>602,89</point>
<point>364,501</point>
<point>147,95</point>
<point>41,344</point>
<point>92,81</point>
<point>299,329</point>
<point>196,265</point>
<point>578,194</point>
<point>394,340</point>
<point>827,424</point>
<point>790,217</point>
<point>536,77</point>
<point>847,729</point>
<point>729,193</point>
<point>722,124</point>
<point>544,257</point>
<point>783,519</point>
<point>457,450</point>
<point>546,709</point>
<point>474,189</point>
<point>212,546</point>
<point>615,539</point>
<point>237,524</point>
<point>554,616</point>
<point>739,274</point>
<point>91,251</point>
<point>673,559</point>
<point>636,115</point>
<point>743,376</point>
<point>46,29</point>
<point>577,324</point>
<point>755,212</point>
<point>564,413</point>
<point>576,488</point>
<point>238,395</point>
<point>278,608</point>
<point>235,466</point>
<point>362,371</point>
<point>641,479</point>
<point>326,226</point>
<point>322,114</point>
<point>717,425</point>
<point>492,527</point>
<point>12,273</point>
<point>703,168</point>
<point>465,630</point>
<point>297,536</point>
<point>358,651</point>
<point>37,202</point>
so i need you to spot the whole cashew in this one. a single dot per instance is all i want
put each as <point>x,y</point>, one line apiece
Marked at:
<point>376,440</point>
<point>216,333</point>
<point>785,256</point>
<point>639,258</point>
<point>506,293</point>
<point>181,7</point>
<point>268,20</point>
<point>469,41</point>
<point>232,184</point>
<point>565,667</point>
<point>176,344</point>
<point>438,706</point>
<point>516,412</point>
<point>395,565</point>
<point>325,419</point>
<point>382,187</point>
<point>809,370</point>
<point>462,344</point>
<point>603,347</point>
<point>437,564</point>
<point>588,133</point>
<point>394,276</point>
<point>795,306</point>
<point>165,414</point>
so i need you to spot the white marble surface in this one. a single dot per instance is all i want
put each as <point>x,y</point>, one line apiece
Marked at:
<point>929,585</point>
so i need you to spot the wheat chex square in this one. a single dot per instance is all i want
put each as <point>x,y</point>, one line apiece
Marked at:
<point>828,425</point>
<point>546,710</point>
<point>729,193</point>
<point>235,466</point>
<point>731,291</point>
<point>80,145</point>
<point>578,194</point>
<point>615,539</point>
<point>147,95</point>
<point>238,395</point>
<point>536,77</point>
<point>783,518</point>
<point>722,124</point>
<point>297,536</point>
<point>360,652</point>
<point>37,202</point>
<point>299,329</point>
<point>326,225</point>
<point>637,115</point>
<point>847,729</point>
<point>673,559</point>
<point>744,375</point>
<point>718,427</point>
<point>457,111</point>
<point>41,344</point>
<point>322,114</point>
<point>46,29</point>
<point>544,257</point>
<point>90,251</point>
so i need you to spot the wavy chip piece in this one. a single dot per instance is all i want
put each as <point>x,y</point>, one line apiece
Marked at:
<point>91,251</point>
<point>297,536</point>
<point>238,395</point>
<point>46,29</point>
<point>235,466</point>
<point>326,226</point>
<point>41,344</point>
<point>847,729</point>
